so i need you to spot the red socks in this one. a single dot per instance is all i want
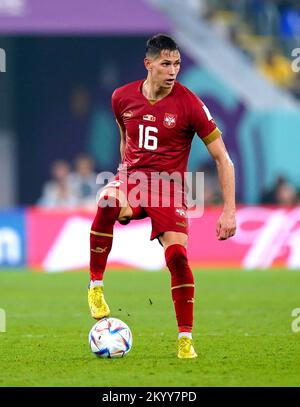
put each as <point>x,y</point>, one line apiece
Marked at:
<point>182,285</point>
<point>101,237</point>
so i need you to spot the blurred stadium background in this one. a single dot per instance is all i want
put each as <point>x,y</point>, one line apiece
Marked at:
<point>57,130</point>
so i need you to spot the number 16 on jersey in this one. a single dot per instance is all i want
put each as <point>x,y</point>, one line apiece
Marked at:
<point>146,139</point>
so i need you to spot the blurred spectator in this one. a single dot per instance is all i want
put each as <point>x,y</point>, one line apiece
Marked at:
<point>83,181</point>
<point>277,68</point>
<point>286,194</point>
<point>282,193</point>
<point>57,193</point>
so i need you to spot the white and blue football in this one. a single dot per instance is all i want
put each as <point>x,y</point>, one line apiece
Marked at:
<point>110,338</point>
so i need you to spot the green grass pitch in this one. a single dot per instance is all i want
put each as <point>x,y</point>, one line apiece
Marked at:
<point>242,330</point>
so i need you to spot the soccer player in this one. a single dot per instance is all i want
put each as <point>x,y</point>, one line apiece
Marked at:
<point>158,118</point>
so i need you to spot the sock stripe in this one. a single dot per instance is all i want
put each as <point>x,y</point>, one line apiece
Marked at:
<point>101,234</point>
<point>183,285</point>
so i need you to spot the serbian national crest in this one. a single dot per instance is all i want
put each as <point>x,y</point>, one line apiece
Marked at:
<point>170,120</point>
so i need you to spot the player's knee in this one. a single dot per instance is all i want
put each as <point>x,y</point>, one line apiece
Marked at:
<point>108,210</point>
<point>177,262</point>
<point>114,193</point>
<point>108,202</point>
<point>173,238</point>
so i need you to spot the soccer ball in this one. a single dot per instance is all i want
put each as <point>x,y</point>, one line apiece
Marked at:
<point>110,338</point>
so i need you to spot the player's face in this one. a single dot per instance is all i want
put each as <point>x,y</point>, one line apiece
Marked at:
<point>164,68</point>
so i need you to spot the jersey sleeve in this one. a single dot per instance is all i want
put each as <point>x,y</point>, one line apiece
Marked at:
<point>202,122</point>
<point>115,101</point>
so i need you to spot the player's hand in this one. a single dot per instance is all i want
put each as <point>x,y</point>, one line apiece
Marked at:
<point>226,226</point>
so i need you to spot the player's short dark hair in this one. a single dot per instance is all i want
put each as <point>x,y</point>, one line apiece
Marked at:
<point>160,42</point>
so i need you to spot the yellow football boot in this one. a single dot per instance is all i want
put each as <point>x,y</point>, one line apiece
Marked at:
<point>98,306</point>
<point>186,349</point>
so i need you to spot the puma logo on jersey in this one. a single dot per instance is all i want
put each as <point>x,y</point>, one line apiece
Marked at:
<point>170,120</point>
<point>149,117</point>
<point>128,114</point>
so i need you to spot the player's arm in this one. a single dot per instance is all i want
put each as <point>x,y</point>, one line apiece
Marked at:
<point>226,225</point>
<point>115,99</point>
<point>122,140</point>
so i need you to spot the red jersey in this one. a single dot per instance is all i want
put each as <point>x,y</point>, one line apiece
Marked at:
<point>159,135</point>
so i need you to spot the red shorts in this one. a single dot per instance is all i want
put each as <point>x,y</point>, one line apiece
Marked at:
<point>163,202</point>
